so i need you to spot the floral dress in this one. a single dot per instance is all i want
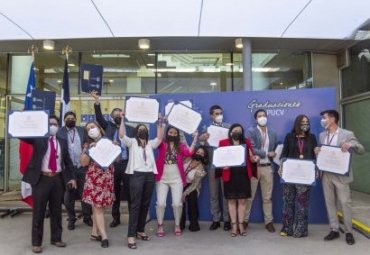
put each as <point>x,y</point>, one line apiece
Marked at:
<point>98,188</point>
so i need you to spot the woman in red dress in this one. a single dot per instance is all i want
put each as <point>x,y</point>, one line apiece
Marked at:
<point>98,188</point>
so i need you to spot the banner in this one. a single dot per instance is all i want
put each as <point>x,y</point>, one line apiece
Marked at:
<point>91,78</point>
<point>43,100</point>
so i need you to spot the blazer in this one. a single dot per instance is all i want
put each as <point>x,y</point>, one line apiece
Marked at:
<point>63,134</point>
<point>184,152</point>
<point>345,136</point>
<point>40,146</point>
<point>291,149</point>
<point>256,140</point>
<point>251,169</point>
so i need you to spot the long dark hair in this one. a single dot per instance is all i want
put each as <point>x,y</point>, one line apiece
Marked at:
<point>102,133</point>
<point>136,131</point>
<point>297,125</point>
<point>177,142</point>
<point>206,155</point>
<point>231,129</point>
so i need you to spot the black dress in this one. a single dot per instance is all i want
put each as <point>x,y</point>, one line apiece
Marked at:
<point>239,186</point>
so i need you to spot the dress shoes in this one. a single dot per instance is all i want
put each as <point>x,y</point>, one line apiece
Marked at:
<point>59,244</point>
<point>350,239</point>
<point>227,226</point>
<point>215,225</point>
<point>36,249</point>
<point>331,236</point>
<point>88,222</point>
<point>270,227</point>
<point>115,223</point>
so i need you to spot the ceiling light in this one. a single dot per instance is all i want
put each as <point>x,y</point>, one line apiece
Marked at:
<point>48,44</point>
<point>111,81</point>
<point>213,84</point>
<point>151,54</point>
<point>229,64</point>
<point>144,44</point>
<point>110,56</point>
<point>59,81</point>
<point>71,64</point>
<point>150,64</point>
<point>239,43</point>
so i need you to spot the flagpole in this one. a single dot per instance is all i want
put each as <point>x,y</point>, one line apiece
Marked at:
<point>64,106</point>
<point>67,51</point>
<point>33,50</point>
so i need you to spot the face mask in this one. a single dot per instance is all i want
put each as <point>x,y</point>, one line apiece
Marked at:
<point>53,130</point>
<point>172,138</point>
<point>262,121</point>
<point>70,123</point>
<point>94,133</point>
<point>117,120</point>
<point>305,127</point>
<point>219,118</point>
<point>198,157</point>
<point>324,123</point>
<point>236,136</point>
<point>142,134</point>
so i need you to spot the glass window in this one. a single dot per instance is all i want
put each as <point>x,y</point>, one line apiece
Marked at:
<point>356,77</point>
<point>276,70</point>
<point>194,72</point>
<point>125,72</point>
<point>355,120</point>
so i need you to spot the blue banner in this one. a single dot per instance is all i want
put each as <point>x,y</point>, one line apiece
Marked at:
<point>91,78</point>
<point>43,100</point>
<point>282,107</point>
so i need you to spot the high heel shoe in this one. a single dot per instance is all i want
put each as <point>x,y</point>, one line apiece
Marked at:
<point>144,237</point>
<point>160,233</point>
<point>132,246</point>
<point>242,231</point>
<point>105,243</point>
<point>233,234</point>
<point>178,231</point>
<point>97,238</point>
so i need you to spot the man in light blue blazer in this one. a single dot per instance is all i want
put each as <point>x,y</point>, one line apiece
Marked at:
<point>336,187</point>
<point>264,142</point>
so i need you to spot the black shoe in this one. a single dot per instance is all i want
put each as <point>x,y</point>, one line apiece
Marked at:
<point>71,225</point>
<point>88,221</point>
<point>215,225</point>
<point>194,228</point>
<point>105,243</point>
<point>270,227</point>
<point>227,226</point>
<point>331,236</point>
<point>115,223</point>
<point>350,239</point>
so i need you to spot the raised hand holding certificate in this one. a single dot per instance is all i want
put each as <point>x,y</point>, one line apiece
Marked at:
<point>28,124</point>
<point>140,109</point>
<point>333,159</point>
<point>299,171</point>
<point>229,156</point>
<point>104,152</point>
<point>184,118</point>
<point>216,134</point>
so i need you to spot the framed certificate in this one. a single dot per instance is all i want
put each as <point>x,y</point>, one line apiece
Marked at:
<point>333,159</point>
<point>184,118</point>
<point>299,171</point>
<point>104,152</point>
<point>229,156</point>
<point>216,134</point>
<point>170,104</point>
<point>141,109</point>
<point>28,124</point>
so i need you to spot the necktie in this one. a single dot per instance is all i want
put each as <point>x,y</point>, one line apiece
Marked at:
<point>53,156</point>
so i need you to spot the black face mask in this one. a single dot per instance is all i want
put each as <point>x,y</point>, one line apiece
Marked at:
<point>198,157</point>
<point>70,123</point>
<point>142,134</point>
<point>172,138</point>
<point>117,120</point>
<point>236,136</point>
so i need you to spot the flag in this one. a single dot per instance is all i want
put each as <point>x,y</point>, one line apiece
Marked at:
<point>25,149</point>
<point>64,101</point>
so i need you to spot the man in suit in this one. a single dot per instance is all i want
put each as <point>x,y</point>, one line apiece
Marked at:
<point>75,138</point>
<point>215,183</point>
<point>49,169</point>
<point>264,142</point>
<point>120,177</point>
<point>336,187</point>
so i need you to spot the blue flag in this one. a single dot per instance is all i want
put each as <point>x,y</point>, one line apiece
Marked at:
<point>31,85</point>
<point>65,98</point>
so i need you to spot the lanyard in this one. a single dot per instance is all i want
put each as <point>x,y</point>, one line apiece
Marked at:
<point>328,142</point>
<point>72,138</point>
<point>300,147</point>
<point>188,169</point>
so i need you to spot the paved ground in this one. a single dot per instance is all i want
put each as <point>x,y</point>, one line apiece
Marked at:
<point>15,240</point>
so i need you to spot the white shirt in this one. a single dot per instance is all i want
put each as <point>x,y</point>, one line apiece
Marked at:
<point>45,160</point>
<point>265,146</point>
<point>332,139</point>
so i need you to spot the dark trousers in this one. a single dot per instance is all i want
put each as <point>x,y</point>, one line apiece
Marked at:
<point>121,185</point>
<point>71,195</point>
<point>141,190</point>
<point>47,190</point>
<point>191,203</point>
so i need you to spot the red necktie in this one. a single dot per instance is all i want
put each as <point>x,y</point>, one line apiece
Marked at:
<point>53,156</point>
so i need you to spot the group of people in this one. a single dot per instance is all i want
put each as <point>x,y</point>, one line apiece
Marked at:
<point>61,171</point>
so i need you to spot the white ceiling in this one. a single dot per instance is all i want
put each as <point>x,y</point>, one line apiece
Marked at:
<point>66,19</point>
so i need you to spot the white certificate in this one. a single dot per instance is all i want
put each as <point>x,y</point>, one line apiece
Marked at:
<point>278,151</point>
<point>229,156</point>
<point>140,109</point>
<point>169,106</point>
<point>28,124</point>
<point>299,171</point>
<point>333,159</point>
<point>104,152</point>
<point>184,118</point>
<point>216,134</point>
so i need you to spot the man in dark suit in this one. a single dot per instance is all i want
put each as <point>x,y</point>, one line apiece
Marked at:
<point>49,168</point>
<point>75,138</point>
<point>120,177</point>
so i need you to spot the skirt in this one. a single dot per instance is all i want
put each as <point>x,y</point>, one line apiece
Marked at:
<point>98,188</point>
<point>239,186</point>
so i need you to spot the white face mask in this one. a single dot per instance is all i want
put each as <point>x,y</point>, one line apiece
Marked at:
<point>324,123</point>
<point>94,133</point>
<point>219,118</point>
<point>262,121</point>
<point>53,130</point>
